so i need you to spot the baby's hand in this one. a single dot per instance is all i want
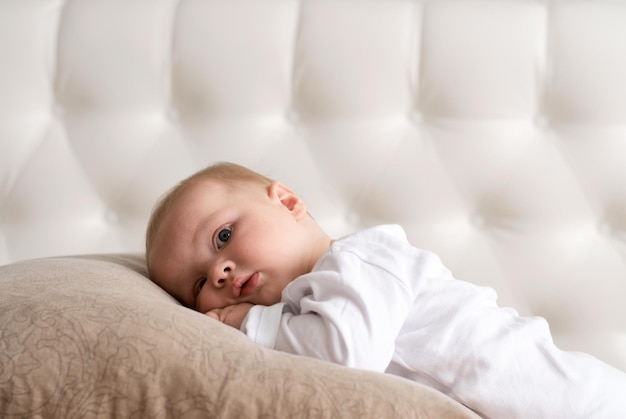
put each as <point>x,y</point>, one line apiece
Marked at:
<point>231,315</point>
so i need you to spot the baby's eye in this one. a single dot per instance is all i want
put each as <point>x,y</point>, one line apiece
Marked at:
<point>198,287</point>
<point>222,237</point>
<point>196,292</point>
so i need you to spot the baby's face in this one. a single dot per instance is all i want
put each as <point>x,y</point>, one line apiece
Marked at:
<point>221,245</point>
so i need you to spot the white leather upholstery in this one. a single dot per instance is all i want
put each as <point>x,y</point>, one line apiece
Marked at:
<point>493,131</point>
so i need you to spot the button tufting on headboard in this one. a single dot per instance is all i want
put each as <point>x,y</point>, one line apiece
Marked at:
<point>493,131</point>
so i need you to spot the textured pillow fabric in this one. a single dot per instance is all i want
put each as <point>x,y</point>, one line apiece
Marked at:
<point>93,337</point>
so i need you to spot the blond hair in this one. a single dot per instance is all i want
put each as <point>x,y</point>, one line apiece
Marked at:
<point>225,172</point>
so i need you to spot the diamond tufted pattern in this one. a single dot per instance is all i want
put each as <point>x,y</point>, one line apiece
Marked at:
<point>494,131</point>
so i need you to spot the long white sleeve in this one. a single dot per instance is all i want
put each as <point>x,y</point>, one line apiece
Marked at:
<point>375,302</point>
<point>502,365</point>
<point>348,311</point>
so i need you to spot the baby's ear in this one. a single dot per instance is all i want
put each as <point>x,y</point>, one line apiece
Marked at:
<point>288,199</point>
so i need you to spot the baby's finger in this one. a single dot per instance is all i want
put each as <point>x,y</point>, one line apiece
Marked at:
<point>212,315</point>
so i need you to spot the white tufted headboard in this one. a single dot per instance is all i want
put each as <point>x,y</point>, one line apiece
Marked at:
<point>493,131</point>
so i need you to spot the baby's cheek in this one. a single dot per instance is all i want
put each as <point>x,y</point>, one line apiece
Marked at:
<point>206,302</point>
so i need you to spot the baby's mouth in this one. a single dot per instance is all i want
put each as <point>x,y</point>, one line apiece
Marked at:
<point>243,286</point>
<point>250,284</point>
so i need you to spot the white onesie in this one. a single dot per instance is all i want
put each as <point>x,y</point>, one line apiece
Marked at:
<point>375,302</point>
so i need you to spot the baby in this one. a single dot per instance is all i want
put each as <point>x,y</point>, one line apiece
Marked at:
<point>243,249</point>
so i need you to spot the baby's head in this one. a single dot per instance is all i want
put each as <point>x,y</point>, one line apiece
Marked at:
<point>228,235</point>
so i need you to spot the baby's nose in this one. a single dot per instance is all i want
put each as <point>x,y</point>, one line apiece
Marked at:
<point>220,274</point>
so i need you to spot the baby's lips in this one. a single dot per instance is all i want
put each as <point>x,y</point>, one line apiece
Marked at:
<point>250,285</point>
<point>236,290</point>
<point>237,284</point>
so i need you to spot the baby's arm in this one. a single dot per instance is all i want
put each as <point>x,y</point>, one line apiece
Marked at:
<point>232,315</point>
<point>347,311</point>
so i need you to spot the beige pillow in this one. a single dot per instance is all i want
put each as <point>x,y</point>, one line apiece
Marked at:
<point>93,337</point>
